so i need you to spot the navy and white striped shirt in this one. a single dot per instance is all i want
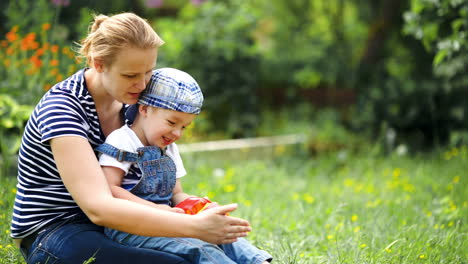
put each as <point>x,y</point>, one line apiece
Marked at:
<point>67,109</point>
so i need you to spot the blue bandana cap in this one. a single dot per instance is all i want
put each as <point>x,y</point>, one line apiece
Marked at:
<point>174,90</point>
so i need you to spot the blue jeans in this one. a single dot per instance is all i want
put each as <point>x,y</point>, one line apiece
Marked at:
<point>195,250</point>
<point>77,240</point>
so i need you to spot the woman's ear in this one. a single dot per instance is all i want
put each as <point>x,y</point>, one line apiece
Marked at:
<point>98,64</point>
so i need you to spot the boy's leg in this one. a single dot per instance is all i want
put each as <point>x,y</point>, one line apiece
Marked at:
<point>243,251</point>
<point>191,249</point>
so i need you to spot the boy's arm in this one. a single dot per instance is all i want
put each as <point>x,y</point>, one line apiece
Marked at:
<point>114,178</point>
<point>178,194</point>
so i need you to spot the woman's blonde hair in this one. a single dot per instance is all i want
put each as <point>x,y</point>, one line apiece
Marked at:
<point>109,34</point>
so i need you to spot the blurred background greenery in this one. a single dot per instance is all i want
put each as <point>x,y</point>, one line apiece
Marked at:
<point>386,73</point>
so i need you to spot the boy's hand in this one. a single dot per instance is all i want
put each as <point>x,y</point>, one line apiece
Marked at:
<point>195,205</point>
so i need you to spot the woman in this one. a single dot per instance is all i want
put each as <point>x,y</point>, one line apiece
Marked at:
<point>63,198</point>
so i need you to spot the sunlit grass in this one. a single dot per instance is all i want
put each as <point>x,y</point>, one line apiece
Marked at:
<point>332,208</point>
<point>357,209</point>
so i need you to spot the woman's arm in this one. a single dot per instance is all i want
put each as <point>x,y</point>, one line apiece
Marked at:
<point>114,178</point>
<point>84,179</point>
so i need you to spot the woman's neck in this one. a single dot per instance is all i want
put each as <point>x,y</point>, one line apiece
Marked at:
<point>101,98</point>
<point>108,109</point>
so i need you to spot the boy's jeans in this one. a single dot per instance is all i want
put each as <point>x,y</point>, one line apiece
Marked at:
<point>195,250</point>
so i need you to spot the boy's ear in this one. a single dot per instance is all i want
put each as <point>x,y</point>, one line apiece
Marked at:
<point>143,110</point>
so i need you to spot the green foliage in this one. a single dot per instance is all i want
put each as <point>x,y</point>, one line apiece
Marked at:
<point>9,253</point>
<point>414,88</point>
<point>442,26</point>
<point>415,96</point>
<point>222,58</point>
<point>13,117</point>
<point>306,43</point>
<point>33,58</point>
<point>28,16</point>
<point>32,62</point>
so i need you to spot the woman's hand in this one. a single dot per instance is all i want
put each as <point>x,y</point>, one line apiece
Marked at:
<point>217,228</point>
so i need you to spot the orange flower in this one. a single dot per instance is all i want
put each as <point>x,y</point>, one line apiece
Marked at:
<point>47,86</point>
<point>30,36</point>
<point>6,62</point>
<point>28,42</point>
<point>11,36</point>
<point>54,71</point>
<point>34,45</point>
<point>59,78</point>
<point>45,46</point>
<point>40,52</point>
<point>54,48</point>
<point>10,51</point>
<point>54,62</point>
<point>31,71</point>
<point>66,50</point>
<point>4,43</point>
<point>36,61</point>
<point>45,26</point>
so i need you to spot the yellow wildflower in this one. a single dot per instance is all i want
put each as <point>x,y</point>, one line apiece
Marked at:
<point>229,188</point>
<point>308,198</point>
<point>295,196</point>
<point>247,203</point>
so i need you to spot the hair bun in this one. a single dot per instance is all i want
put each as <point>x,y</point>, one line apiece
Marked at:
<point>98,21</point>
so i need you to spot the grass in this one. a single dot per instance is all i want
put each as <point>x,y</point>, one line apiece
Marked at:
<point>332,208</point>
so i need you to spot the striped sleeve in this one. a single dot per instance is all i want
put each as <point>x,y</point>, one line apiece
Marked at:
<point>61,115</point>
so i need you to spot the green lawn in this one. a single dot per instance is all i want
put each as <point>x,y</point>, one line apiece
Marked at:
<point>332,208</point>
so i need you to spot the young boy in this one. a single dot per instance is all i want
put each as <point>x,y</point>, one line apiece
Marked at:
<point>142,165</point>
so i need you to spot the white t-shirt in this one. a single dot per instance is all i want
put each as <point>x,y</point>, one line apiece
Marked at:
<point>125,138</point>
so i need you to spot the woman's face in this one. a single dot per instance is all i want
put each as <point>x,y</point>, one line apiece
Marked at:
<point>162,127</point>
<point>128,75</point>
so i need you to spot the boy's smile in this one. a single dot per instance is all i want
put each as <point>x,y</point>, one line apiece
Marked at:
<point>160,127</point>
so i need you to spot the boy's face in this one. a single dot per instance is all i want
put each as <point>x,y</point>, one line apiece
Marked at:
<point>162,127</point>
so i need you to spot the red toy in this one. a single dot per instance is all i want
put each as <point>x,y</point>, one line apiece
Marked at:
<point>194,205</point>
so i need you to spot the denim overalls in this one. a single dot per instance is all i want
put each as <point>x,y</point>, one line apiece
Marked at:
<point>158,171</point>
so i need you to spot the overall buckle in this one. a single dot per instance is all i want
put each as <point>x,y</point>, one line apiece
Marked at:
<point>121,155</point>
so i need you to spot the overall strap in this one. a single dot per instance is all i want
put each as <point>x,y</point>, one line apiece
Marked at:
<point>119,154</point>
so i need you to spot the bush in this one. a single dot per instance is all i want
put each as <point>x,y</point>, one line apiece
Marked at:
<point>407,92</point>
<point>222,58</point>
<point>13,117</point>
